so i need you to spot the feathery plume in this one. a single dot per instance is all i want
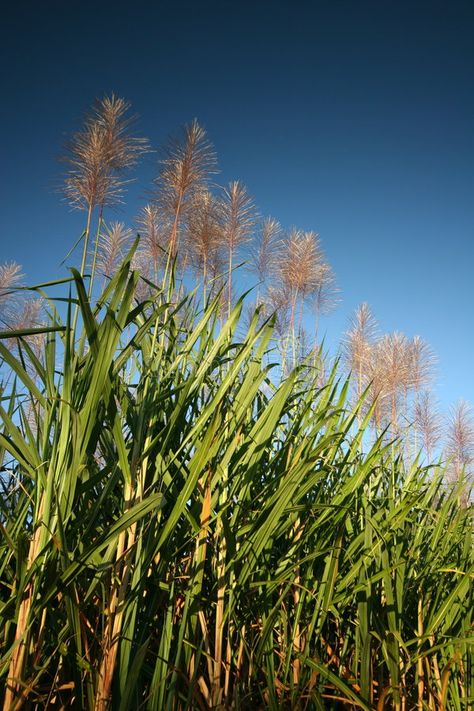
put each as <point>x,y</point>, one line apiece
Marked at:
<point>460,440</point>
<point>249,313</point>
<point>421,363</point>
<point>154,235</point>
<point>298,271</point>
<point>277,301</point>
<point>238,215</point>
<point>238,221</point>
<point>390,376</point>
<point>299,263</point>
<point>427,423</point>
<point>326,293</point>
<point>186,167</point>
<point>112,247</point>
<point>264,251</point>
<point>204,236</point>
<point>10,278</point>
<point>359,339</point>
<point>141,264</point>
<point>357,346</point>
<point>98,155</point>
<point>29,316</point>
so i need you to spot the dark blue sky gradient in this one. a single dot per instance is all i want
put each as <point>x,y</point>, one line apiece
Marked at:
<point>351,118</point>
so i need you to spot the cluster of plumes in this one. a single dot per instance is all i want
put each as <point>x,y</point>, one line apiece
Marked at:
<point>208,229</point>
<point>185,219</point>
<point>391,366</point>
<point>295,277</point>
<point>206,232</point>
<point>18,312</point>
<point>394,374</point>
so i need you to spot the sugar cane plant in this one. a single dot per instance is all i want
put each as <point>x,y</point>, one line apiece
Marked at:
<point>187,525</point>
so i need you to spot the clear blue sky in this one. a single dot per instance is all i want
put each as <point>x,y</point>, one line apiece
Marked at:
<point>351,118</point>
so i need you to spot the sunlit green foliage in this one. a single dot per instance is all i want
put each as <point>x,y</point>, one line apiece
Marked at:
<point>182,529</point>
